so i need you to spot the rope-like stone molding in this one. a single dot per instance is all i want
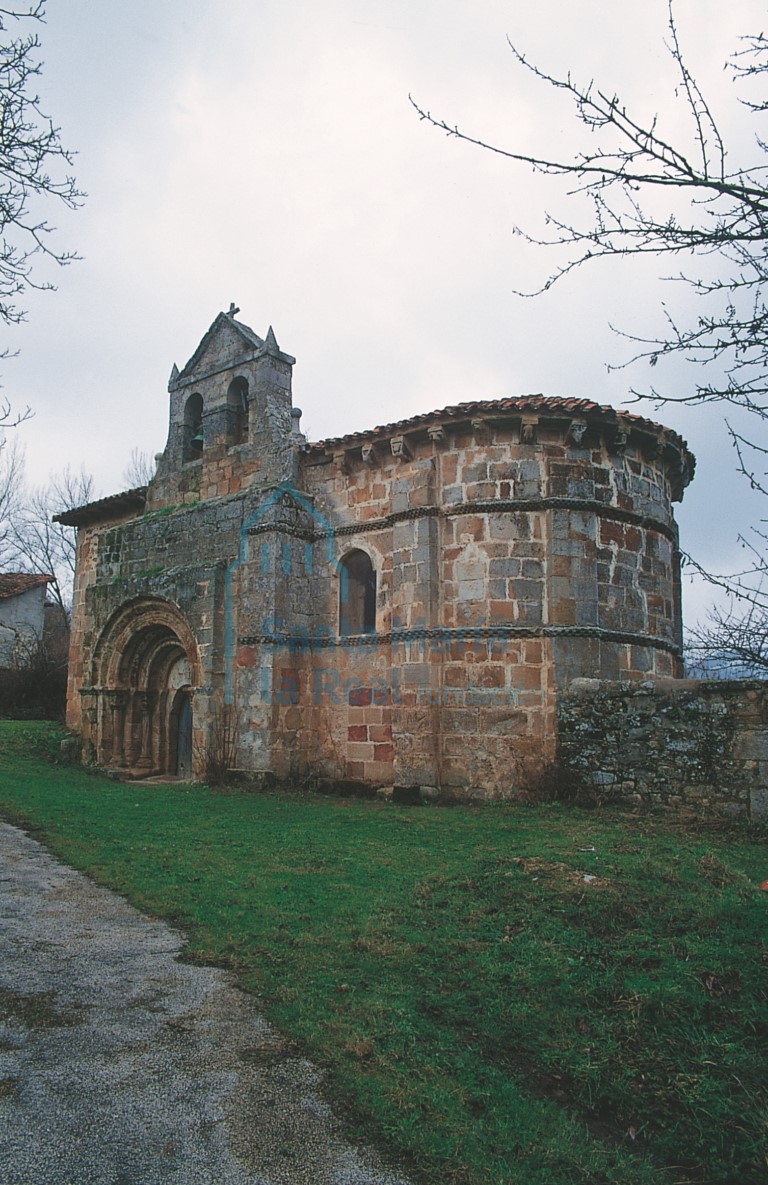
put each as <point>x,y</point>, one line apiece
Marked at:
<point>450,634</point>
<point>499,506</point>
<point>600,509</point>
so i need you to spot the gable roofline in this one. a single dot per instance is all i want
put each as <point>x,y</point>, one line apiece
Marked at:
<point>13,584</point>
<point>255,346</point>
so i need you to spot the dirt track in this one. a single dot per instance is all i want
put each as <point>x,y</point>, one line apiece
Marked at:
<point>119,1065</point>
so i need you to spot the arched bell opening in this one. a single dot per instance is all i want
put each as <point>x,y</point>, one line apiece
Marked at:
<point>237,411</point>
<point>194,438</point>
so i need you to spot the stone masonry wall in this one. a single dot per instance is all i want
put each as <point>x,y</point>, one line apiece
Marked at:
<point>678,743</point>
<point>511,545</point>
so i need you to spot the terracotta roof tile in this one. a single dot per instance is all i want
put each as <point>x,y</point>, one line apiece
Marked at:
<point>13,584</point>
<point>521,403</point>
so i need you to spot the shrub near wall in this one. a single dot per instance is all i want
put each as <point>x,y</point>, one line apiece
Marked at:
<point>694,743</point>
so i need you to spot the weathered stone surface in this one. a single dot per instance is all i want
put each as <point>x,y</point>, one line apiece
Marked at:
<point>398,607</point>
<point>688,742</point>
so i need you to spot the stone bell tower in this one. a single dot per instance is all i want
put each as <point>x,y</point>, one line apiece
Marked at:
<point>230,417</point>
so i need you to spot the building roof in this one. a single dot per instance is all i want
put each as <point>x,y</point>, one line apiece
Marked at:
<point>134,501</point>
<point>13,584</point>
<point>542,404</point>
<point>115,506</point>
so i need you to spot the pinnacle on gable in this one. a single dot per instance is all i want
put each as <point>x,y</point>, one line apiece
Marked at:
<point>271,342</point>
<point>174,377</point>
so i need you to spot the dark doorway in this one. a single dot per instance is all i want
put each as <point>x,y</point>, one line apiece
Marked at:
<point>184,737</point>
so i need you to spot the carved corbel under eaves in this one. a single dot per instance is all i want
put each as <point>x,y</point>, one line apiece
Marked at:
<point>576,431</point>
<point>341,461</point>
<point>528,426</point>
<point>437,434</point>
<point>620,440</point>
<point>400,449</point>
<point>369,453</point>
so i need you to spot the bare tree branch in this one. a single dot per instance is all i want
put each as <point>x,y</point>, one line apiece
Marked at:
<point>649,195</point>
<point>38,544</point>
<point>30,146</point>
<point>140,469</point>
<point>726,217</point>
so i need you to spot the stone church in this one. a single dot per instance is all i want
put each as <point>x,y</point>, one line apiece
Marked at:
<point>400,606</point>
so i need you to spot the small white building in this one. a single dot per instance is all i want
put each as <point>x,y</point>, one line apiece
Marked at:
<point>22,613</point>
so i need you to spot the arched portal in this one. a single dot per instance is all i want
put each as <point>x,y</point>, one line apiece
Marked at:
<point>146,668</point>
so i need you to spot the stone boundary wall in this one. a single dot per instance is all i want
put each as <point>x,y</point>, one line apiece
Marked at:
<point>690,743</point>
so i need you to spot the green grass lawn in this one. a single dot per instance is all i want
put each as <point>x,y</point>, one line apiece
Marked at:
<point>485,1013</point>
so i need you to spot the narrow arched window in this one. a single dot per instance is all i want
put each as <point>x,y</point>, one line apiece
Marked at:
<point>357,594</point>
<point>193,428</point>
<point>237,411</point>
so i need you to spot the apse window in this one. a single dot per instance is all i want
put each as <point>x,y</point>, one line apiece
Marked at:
<point>193,428</point>
<point>357,595</point>
<point>237,411</point>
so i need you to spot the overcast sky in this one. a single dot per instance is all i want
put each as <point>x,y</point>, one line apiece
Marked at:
<point>265,152</point>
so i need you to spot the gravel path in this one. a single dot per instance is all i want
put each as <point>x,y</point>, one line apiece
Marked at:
<point>119,1065</point>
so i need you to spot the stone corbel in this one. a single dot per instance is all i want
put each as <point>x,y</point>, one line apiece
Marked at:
<point>576,431</point>
<point>620,440</point>
<point>400,449</point>
<point>437,434</point>
<point>369,453</point>
<point>482,430</point>
<point>528,426</point>
<point>340,461</point>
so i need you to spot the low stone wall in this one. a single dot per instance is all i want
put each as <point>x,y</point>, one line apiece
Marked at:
<point>701,744</point>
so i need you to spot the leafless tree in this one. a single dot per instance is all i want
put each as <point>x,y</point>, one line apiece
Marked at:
<point>37,543</point>
<point>34,164</point>
<point>34,168</point>
<point>645,194</point>
<point>732,642</point>
<point>140,469</point>
<point>727,214</point>
<point>11,485</point>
